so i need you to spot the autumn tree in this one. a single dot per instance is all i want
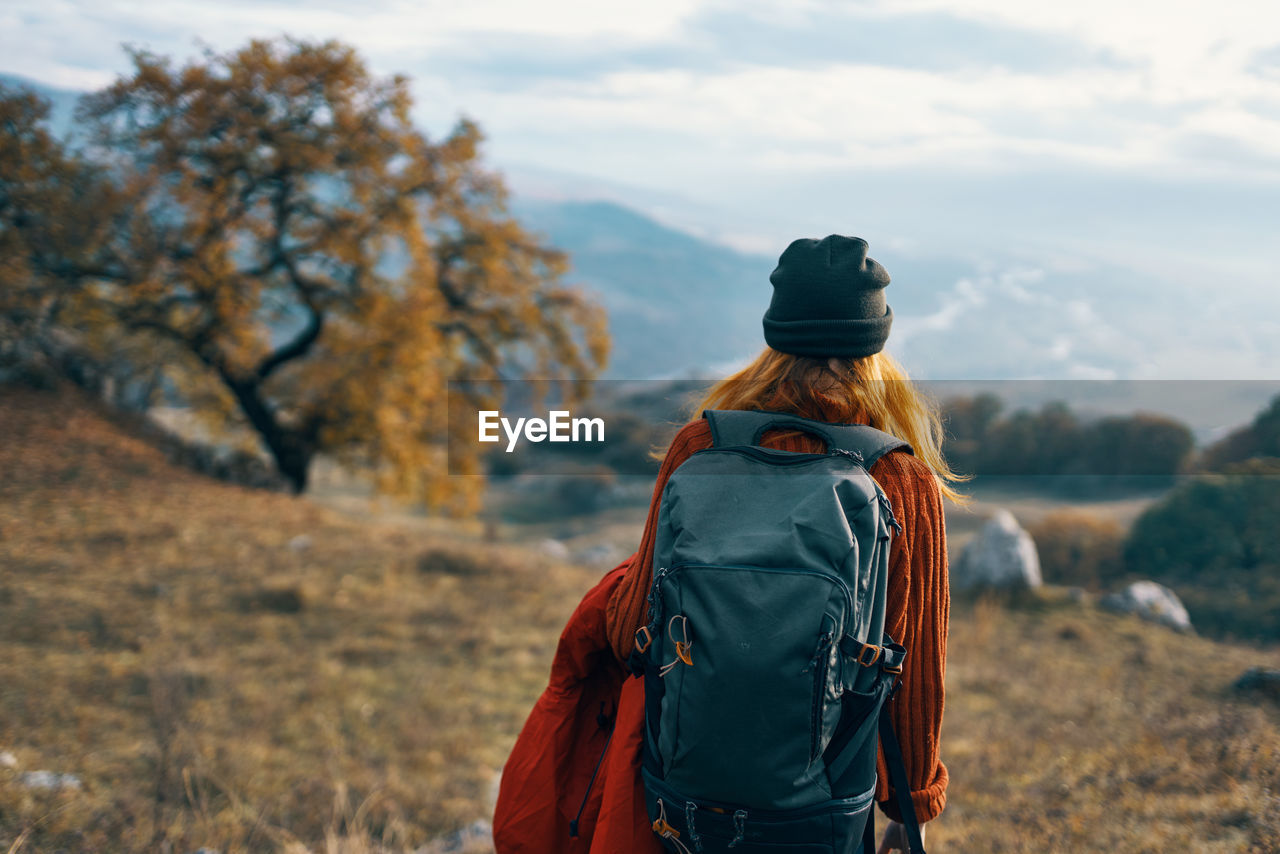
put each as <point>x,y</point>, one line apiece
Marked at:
<point>1139,444</point>
<point>47,236</point>
<point>967,421</point>
<point>29,158</point>
<point>309,263</point>
<point>1259,438</point>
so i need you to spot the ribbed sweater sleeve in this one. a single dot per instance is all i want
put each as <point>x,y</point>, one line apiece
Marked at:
<point>917,611</point>
<point>917,607</point>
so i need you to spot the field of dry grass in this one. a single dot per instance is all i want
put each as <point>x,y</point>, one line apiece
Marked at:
<point>249,671</point>
<point>1071,729</point>
<point>214,680</point>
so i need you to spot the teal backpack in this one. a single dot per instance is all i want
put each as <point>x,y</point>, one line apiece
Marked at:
<point>765,663</point>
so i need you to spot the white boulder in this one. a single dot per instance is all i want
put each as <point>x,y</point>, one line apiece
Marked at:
<point>1002,555</point>
<point>1150,601</point>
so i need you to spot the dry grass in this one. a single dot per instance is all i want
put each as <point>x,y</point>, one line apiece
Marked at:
<point>213,685</point>
<point>1070,729</point>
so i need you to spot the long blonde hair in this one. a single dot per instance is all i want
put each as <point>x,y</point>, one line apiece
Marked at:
<point>871,390</point>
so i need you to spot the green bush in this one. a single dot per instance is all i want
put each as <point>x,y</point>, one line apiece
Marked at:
<point>1215,541</point>
<point>1261,438</point>
<point>1054,441</point>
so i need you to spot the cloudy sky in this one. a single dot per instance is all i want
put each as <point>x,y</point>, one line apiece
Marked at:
<point>1112,167</point>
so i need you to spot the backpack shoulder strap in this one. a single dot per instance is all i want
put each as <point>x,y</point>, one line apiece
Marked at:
<point>731,427</point>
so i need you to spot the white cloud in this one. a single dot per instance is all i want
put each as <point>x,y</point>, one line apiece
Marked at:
<point>1060,348</point>
<point>1172,35</point>
<point>965,295</point>
<point>1149,149</point>
<point>788,114</point>
<point>1081,371</point>
<point>46,39</point>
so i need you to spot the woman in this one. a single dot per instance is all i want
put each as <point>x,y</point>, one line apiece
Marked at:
<point>825,328</point>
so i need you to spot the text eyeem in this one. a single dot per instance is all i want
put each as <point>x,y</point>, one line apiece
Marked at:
<point>558,426</point>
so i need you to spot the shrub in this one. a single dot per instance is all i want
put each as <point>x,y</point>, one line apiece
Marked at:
<point>1261,438</point>
<point>1214,541</point>
<point>1138,444</point>
<point>1079,549</point>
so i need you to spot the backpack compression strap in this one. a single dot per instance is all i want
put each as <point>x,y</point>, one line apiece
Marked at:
<point>731,427</point>
<point>898,779</point>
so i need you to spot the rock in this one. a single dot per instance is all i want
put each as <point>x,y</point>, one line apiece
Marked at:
<point>554,549</point>
<point>1002,556</point>
<point>475,838</point>
<point>1152,602</point>
<point>1259,680</point>
<point>300,543</point>
<point>8,760</point>
<point>49,780</point>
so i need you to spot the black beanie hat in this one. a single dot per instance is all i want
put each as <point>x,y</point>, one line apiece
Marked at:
<point>828,300</point>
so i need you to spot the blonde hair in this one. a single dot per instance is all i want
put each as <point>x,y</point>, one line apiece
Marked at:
<point>871,390</point>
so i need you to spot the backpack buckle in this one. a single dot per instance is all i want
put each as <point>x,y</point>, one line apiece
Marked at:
<point>873,650</point>
<point>643,647</point>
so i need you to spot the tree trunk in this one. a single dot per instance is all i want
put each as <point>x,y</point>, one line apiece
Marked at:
<point>294,462</point>
<point>291,450</point>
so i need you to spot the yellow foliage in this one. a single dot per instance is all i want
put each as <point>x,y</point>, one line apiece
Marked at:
<point>301,259</point>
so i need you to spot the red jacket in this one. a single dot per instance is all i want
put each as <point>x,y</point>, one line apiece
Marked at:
<point>550,768</point>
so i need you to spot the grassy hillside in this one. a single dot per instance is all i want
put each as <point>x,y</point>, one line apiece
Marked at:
<point>1069,729</point>
<point>215,680</point>
<point>250,671</point>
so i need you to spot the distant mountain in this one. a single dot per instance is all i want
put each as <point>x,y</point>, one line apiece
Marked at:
<point>678,303</point>
<point>675,302</point>
<point>62,102</point>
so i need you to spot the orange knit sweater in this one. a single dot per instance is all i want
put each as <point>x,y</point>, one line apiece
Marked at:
<point>916,615</point>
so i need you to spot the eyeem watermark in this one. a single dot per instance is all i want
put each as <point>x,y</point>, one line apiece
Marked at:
<point>1114,429</point>
<point>558,426</point>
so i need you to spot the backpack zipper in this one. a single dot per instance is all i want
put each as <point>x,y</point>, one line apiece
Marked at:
<point>779,457</point>
<point>655,600</point>
<point>887,506</point>
<point>841,452</point>
<point>823,658</point>
<point>664,573</point>
<point>845,805</point>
